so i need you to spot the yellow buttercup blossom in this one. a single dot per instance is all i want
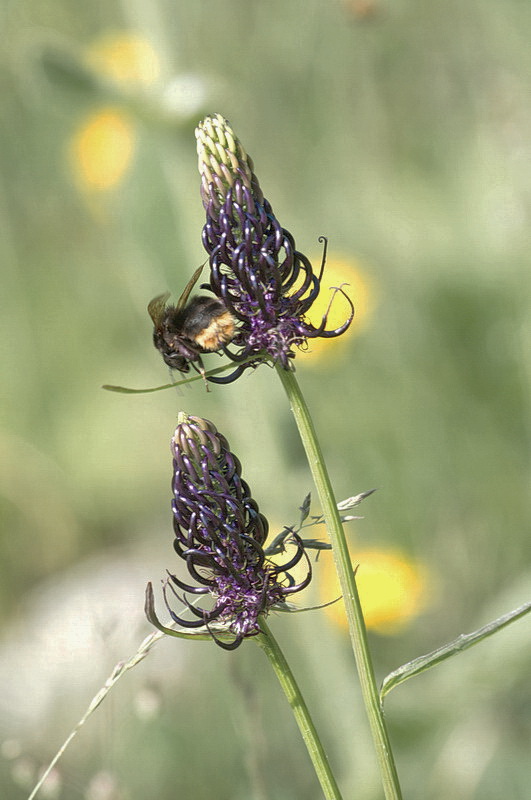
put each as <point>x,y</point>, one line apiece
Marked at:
<point>393,589</point>
<point>126,58</point>
<point>360,288</point>
<point>102,149</point>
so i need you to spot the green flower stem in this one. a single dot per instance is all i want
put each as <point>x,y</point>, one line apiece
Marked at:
<point>289,685</point>
<point>358,633</point>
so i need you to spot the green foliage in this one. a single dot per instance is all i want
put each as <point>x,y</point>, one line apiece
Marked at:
<point>402,136</point>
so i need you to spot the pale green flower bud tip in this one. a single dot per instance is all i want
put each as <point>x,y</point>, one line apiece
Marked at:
<point>192,435</point>
<point>182,417</point>
<point>221,155</point>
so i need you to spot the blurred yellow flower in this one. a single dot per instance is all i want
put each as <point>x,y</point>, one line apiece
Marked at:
<point>360,289</point>
<point>102,148</point>
<point>393,590</point>
<point>126,58</point>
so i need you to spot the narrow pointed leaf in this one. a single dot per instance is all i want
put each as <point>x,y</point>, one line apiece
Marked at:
<point>149,608</point>
<point>350,502</point>
<point>305,508</point>
<point>126,390</point>
<point>315,544</point>
<point>290,608</point>
<point>462,642</point>
<point>277,545</point>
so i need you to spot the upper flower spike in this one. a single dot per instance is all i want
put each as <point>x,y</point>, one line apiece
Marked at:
<point>220,533</point>
<point>255,269</point>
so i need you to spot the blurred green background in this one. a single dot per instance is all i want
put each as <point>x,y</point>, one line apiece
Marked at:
<point>402,131</point>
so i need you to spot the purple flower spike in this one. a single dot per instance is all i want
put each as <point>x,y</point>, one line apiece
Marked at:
<point>220,534</point>
<point>255,269</point>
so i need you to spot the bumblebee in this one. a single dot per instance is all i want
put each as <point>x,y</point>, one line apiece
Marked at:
<point>184,331</point>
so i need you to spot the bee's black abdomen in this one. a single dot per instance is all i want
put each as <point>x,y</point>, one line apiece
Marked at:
<point>182,333</point>
<point>199,315</point>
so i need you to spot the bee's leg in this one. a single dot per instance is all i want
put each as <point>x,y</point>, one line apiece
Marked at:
<point>200,367</point>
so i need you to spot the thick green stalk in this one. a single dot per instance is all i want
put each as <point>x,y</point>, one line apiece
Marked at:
<point>356,624</point>
<point>289,685</point>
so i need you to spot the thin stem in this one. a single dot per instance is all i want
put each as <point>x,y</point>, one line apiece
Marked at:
<point>289,685</point>
<point>356,623</point>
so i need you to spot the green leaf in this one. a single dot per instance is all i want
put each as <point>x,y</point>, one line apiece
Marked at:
<point>305,508</point>
<point>149,608</point>
<point>203,633</point>
<point>125,390</point>
<point>350,502</point>
<point>290,608</point>
<point>463,642</point>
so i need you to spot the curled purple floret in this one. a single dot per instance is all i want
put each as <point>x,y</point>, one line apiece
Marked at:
<point>220,535</point>
<point>266,284</point>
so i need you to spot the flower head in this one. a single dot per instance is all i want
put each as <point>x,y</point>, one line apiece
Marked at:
<point>220,533</point>
<point>255,268</point>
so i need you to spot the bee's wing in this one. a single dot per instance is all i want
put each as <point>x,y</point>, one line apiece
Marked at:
<point>183,299</point>
<point>156,307</point>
